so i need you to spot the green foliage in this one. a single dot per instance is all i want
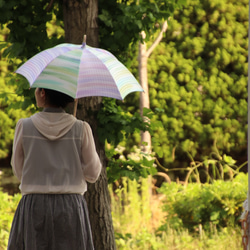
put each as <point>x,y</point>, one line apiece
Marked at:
<point>26,21</point>
<point>204,205</point>
<point>214,167</point>
<point>198,77</point>
<point>134,214</point>
<point>122,21</point>
<point>9,115</point>
<point>17,40</point>
<point>130,199</point>
<point>30,31</point>
<point>8,207</point>
<point>180,239</point>
<point>12,101</point>
<point>133,166</point>
<point>136,218</point>
<point>115,126</point>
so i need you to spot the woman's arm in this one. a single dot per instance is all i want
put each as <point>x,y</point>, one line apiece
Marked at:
<point>90,159</point>
<point>17,152</point>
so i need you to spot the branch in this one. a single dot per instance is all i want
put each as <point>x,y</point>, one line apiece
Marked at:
<point>158,39</point>
<point>49,6</point>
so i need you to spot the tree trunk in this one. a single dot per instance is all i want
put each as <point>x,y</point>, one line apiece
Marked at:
<point>144,54</point>
<point>80,18</point>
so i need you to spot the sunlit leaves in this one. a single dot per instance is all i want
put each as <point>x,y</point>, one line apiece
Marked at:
<point>209,204</point>
<point>10,112</point>
<point>122,21</point>
<point>26,21</point>
<point>198,76</point>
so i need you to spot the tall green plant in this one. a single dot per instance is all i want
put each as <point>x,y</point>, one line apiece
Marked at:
<point>213,167</point>
<point>130,204</point>
<point>134,213</point>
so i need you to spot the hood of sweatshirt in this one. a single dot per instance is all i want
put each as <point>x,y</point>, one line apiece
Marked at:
<point>53,125</point>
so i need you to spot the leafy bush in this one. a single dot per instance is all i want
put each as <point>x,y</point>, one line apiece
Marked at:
<point>204,206</point>
<point>8,207</point>
<point>136,218</point>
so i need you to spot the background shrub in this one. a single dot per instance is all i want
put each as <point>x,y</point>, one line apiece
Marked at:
<point>195,206</point>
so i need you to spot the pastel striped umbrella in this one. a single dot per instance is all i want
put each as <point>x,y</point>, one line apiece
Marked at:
<point>79,71</point>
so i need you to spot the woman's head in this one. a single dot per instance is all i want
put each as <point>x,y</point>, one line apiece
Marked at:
<point>52,98</point>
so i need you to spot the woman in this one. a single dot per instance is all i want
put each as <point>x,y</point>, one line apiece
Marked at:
<point>54,155</point>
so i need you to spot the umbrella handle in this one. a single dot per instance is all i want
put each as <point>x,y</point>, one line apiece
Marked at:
<point>75,107</point>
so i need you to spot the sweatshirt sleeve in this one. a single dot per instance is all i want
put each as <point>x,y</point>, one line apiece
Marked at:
<point>90,160</point>
<point>17,158</point>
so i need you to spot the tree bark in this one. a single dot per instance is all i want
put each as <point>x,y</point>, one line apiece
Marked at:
<point>144,96</point>
<point>80,18</point>
<point>143,78</point>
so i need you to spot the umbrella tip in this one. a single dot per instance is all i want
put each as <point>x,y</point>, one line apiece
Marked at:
<point>84,38</point>
<point>84,41</point>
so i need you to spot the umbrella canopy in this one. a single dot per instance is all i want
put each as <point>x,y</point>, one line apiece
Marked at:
<point>79,71</point>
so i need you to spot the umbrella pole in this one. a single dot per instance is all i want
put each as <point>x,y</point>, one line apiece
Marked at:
<point>75,107</point>
<point>76,100</point>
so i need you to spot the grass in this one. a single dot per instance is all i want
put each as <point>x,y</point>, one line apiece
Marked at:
<point>173,240</point>
<point>137,217</point>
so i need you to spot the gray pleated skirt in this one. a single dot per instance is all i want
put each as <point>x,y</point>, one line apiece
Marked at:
<point>51,222</point>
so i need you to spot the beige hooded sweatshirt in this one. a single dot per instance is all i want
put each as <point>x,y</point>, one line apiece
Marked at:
<point>53,152</point>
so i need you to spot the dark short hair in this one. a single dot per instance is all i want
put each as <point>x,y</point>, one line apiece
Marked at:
<point>56,98</point>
